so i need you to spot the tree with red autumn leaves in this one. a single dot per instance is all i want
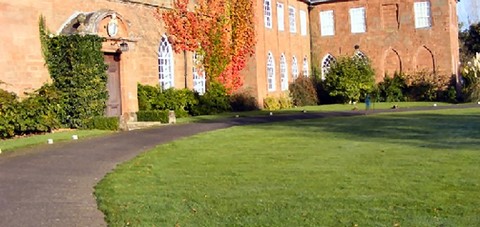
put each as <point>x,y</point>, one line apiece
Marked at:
<point>221,31</point>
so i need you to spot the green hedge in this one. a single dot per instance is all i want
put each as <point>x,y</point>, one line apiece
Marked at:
<point>153,115</point>
<point>102,123</point>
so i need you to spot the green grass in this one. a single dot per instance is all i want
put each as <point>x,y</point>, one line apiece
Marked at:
<point>405,169</point>
<point>10,145</point>
<point>318,108</point>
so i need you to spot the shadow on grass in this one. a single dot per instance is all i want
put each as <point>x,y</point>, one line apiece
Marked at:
<point>438,131</point>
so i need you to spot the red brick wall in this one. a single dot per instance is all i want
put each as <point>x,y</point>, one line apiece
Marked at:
<point>391,40</point>
<point>277,42</point>
<point>22,63</point>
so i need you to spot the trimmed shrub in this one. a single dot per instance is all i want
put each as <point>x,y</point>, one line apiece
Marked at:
<point>350,78</point>
<point>153,98</point>
<point>392,89</point>
<point>243,101</point>
<point>8,113</point>
<point>39,112</point>
<point>102,123</point>
<point>285,101</point>
<point>303,92</point>
<point>425,86</point>
<point>214,101</point>
<point>153,115</point>
<point>271,103</point>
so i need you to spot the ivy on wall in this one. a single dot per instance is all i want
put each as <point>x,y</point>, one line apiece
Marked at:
<point>78,71</point>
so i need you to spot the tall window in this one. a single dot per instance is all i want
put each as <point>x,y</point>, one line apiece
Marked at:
<point>327,62</point>
<point>422,14</point>
<point>198,76</point>
<point>267,11</point>
<point>305,67</point>
<point>327,23</point>
<point>270,72</point>
<point>294,68</point>
<point>283,73</point>
<point>165,64</point>
<point>357,20</point>
<point>281,17</point>
<point>303,23</point>
<point>291,19</point>
<point>360,55</point>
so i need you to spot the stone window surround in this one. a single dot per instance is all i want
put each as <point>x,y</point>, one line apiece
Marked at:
<point>166,68</point>
<point>270,72</point>
<point>283,73</point>
<point>267,11</point>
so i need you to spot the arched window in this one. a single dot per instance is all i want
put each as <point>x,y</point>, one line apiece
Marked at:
<point>270,72</point>
<point>305,67</point>
<point>360,55</point>
<point>267,11</point>
<point>165,64</point>
<point>198,75</point>
<point>283,73</point>
<point>294,68</point>
<point>327,62</point>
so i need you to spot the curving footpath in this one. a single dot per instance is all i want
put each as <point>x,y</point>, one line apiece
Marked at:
<point>52,185</point>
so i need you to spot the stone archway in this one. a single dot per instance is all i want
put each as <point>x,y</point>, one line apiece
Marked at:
<point>111,26</point>
<point>392,63</point>
<point>425,60</point>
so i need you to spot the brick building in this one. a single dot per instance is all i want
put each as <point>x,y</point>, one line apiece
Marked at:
<point>396,35</point>
<point>292,38</point>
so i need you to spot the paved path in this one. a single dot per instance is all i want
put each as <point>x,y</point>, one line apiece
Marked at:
<point>52,185</point>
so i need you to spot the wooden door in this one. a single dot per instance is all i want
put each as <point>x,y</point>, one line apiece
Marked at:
<point>114,103</point>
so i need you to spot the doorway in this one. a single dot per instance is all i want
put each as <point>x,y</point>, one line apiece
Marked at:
<point>114,103</point>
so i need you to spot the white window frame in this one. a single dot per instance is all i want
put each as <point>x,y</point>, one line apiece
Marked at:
<point>199,81</point>
<point>327,23</point>
<point>357,20</point>
<point>294,68</point>
<point>305,67</point>
<point>270,72</point>
<point>267,13</point>
<point>303,23</point>
<point>281,16</point>
<point>360,55</point>
<point>422,14</point>
<point>292,20</point>
<point>166,72</point>
<point>327,62</point>
<point>283,73</point>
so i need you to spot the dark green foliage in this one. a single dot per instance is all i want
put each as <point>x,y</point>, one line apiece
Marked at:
<point>154,98</point>
<point>392,89</point>
<point>243,101</point>
<point>153,115</point>
<point>8,113</point>
<point>36,113</point>
<point>350,78</point>
<point>102,123</point>
<point>39,112</point>
<point>214,101</point>
<point>469,42</point>
<point>303,91</point>
<point>77,68</point>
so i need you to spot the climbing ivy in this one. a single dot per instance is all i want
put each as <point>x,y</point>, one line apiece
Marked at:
<point>78,72</point>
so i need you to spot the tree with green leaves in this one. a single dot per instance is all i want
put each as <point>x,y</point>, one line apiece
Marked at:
<point>350,78</point>
<point>469,42</point>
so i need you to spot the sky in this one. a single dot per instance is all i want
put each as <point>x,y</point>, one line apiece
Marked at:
<point>468,12</point>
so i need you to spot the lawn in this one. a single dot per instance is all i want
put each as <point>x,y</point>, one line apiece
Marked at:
<point>32,140</point>
<point>317,108</point>
<point>397,169</point>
